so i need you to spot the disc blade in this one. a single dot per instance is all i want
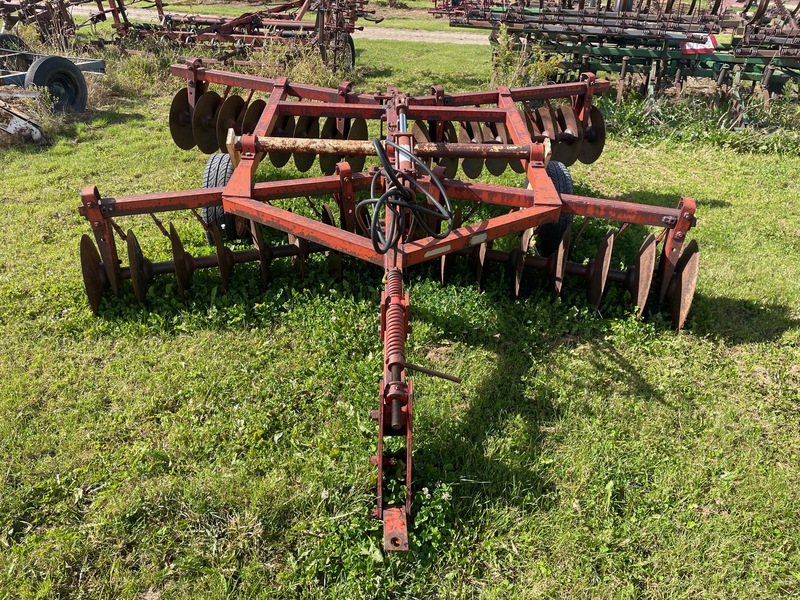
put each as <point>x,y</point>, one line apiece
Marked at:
<point>480,261</point>
<point>264,252</point>
<point>450,164</point>
<point>224,259</point>
<point>495,166</point>
<point>306,128</point>
<point>643,273</point>
<point>557,263</point>
<point>515,164</point>
<point>594,137</point>
<point>570,140</point>
<point>327,162</point>
<point>181,264</point>
<point>598,273</point>
<point>470,133</point>
<point>446,261</point>
<point>252,115</point>
<point>683,285</point>
<point>358,131</point>
<point>283,128</point>
<point>94,279</point>
<point>229,116</point>
<point>137,263</point>
<point>204,123</point>
<point>180,121</point>
<point>420,132</point>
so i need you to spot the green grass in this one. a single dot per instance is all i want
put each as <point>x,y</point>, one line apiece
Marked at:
<point>221,449</point>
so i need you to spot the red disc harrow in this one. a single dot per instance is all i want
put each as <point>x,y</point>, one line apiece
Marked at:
<point>408,209</point>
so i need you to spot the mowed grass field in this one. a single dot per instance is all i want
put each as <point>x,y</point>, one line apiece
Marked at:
<point>220,449</point>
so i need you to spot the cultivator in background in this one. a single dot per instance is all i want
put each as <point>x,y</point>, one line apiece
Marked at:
<point>664,41</point>
<point>331,32</point>
<point>407,209</point>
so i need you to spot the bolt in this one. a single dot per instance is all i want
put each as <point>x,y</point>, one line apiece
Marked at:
<point>687,215</point>
<point>374,415</point>
<point>680,235</point>
<point>96,224</point>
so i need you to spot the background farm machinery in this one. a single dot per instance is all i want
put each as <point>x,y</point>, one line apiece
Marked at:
<point>408,207</point>
<point>666,42</point>
<point>285,22</point>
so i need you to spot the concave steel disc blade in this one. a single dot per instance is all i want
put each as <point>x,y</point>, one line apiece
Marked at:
<point>643,273</point>
<point>179,258</point>
<point>252,115</point>
<point>180,121</point>
<point>594,137</point>
<point>421,134</point>
<point>446,261</point>
<point>229,115</point>
<point>684,282</point>
<point>224,259</point>
<point>557,263</point>
<point>514,163</point>
<point>480,261</point>
<point>470,133</point>
<point>568,150</point>
<point>139,266</point>
<point>450,164</point>
<point>358,131</point>
<point>306,128</point>
<point>546,123</point>
<point>283,128</point>
<point>599,269</point>
<point>204,122</point>
<point>327,162</point>
<point>495,166</point>
<point>264,252</point>
<point>93,273</point>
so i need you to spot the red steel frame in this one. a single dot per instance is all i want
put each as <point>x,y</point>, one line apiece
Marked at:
<point>528,208</point>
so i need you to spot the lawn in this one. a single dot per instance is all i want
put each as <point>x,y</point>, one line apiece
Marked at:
<point>220,449</point>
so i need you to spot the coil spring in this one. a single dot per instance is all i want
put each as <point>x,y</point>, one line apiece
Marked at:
<point>395,322</point>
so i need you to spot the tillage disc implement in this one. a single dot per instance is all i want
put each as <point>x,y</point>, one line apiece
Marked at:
<point>408,208</point>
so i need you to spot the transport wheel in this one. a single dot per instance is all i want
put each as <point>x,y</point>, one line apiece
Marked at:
<point>217,173</point>
<point>62,79</point>
<point>549,235</point>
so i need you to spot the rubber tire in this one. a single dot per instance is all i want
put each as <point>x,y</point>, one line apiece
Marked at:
<point>352,46</point>
<point>549,235</point>
<point>217,173</point>
<point>9,41</point>
<point>62,79</point>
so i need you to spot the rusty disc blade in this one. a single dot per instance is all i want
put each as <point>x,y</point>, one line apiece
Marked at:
<point>139,267</point>
<point>181,262</point>
<point>306,128</point>
<point>264,252</point>
<point>683,284</point>
<point>252,115</point>
<point>594,137</point>
<point>327,162</point>
<point>491,135</point>
<point>505,138</point>
<point>180,121</point>
<point>571,137</point>
<point>420,132</point>
<point>204,122</point>
<point>598,273</point>
<point>94,276</point>
<point>643,273</point>
<point>557,262</point>
<point>470,133</point>
<point>327,216</point>
<point>229,115</point>
<point>479,254</point>
<point>283,128</point>
<point>546,123</point>
<point>446,260</point>
<point>224,257</point>
<point>450,164</point>
<point>358,131</point>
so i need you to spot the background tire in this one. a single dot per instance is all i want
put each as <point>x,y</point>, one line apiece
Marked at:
<point>62,79</point>
<point>217,173</point>
<point>549,235</point>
